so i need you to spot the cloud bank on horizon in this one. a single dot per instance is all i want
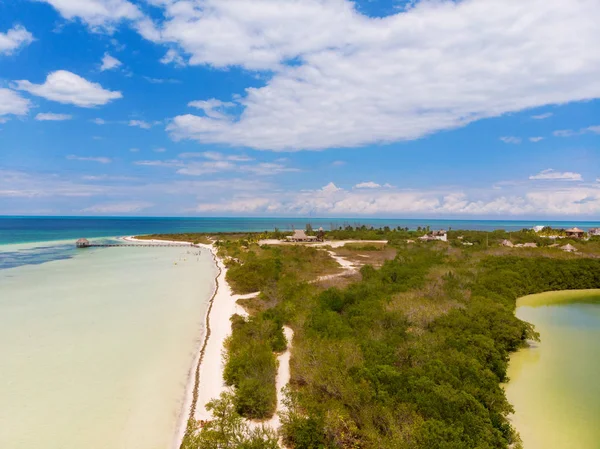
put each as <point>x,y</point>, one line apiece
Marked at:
<point>435,107</point>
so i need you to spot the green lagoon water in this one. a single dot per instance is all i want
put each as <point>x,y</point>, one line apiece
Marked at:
<point>555,385</point>
<point>96,345</point>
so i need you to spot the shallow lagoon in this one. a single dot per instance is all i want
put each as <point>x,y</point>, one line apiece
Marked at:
<point>96,347</point>
<point>554,385</point>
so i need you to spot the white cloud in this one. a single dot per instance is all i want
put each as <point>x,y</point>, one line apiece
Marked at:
<point>358,80</point>
<point>554,175</point>
<point>101,160</point>
<point>542,116</point>
<point>96,13</point>
<point>367,185</point>
<point>17,184</point>
<point>49,116</point>
<point>511,140</point>
<point>169,163</point>
<point>160,150</point>
<point>11,103</point>
<point>593,129</point>
<point>173,57</point>
<point>536,139</point>
<point>118,208</point>
<point>214,162</point>
<point>215,156</point>
<point>140,124</point>
<point>109,63</point>
<point>571,133</point>
<point>212,108</point>
<point>334,201</point>
<point>565,133</point>
<point>134,150</point>
<point>99,121</point>
<point>14,39</point>
<point>68,88</point>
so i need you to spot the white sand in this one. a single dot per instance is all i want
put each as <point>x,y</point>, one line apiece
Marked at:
<point>224,306</point>
<point>218,322</point>
<point>331,243</point>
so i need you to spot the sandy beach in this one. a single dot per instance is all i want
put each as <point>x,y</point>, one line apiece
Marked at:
<point>206,376</point>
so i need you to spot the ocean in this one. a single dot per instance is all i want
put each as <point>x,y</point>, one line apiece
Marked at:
<point>41,229</point>
<point>97,345</point>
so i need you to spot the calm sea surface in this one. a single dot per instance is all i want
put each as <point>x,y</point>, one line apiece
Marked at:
<point>554,385</point>
<point>40,229</point>
<point>96,345</point>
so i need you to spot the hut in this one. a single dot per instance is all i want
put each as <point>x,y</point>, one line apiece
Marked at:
<point>82,243</point>
<point>507,243</point>
<point>435,235</point>
<point>569,248</point>
<point>594,232</point>
<point>300,236</point>
<point>575,233</point>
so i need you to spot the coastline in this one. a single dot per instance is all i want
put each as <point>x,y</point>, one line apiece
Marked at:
<point>557,297</point>
<point>205,384</point>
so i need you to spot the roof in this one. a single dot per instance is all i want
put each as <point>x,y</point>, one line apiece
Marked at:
<point>299,234</point>
<point>83,241</point>
<point>577,230</point>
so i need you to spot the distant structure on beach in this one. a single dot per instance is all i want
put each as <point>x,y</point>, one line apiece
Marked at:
<point>300,236</point>
<point>575,233</point>
<point>82,243</point>
<point>594,232</point>
<point>435,235</point>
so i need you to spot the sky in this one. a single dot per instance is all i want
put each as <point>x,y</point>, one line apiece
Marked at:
<point>383,108</point>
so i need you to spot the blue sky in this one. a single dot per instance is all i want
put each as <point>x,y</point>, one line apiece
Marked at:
<point>470,109</point>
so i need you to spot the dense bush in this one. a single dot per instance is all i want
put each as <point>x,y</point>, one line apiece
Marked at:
<point>251,365</point>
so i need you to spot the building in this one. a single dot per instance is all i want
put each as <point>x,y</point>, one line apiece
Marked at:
<point>82,243</point>
<point>300,236</point>
<point>575,233</point>
<point>435,235</point>
<point>594,232</point>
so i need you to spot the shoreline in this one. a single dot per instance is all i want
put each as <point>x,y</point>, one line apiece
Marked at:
<point>536,369</point>
<point>204,385</point>
<point>205,380</point>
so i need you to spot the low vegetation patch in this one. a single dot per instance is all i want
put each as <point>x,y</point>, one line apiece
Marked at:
<point>410,355</point>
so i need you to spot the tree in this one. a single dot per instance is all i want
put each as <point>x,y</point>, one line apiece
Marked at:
<point>227,430</point>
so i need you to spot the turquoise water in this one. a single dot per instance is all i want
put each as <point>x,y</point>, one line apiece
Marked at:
<point>97,345</point>
<point>39,229</point>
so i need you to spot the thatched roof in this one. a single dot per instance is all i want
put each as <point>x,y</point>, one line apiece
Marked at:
<point>83,241</point>
<point>507,243</point>
<point>299,234</point>
<point>569,248</point>
<point>575,231</point>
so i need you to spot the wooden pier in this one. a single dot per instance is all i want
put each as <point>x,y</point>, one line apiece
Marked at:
<point>84,243</point>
